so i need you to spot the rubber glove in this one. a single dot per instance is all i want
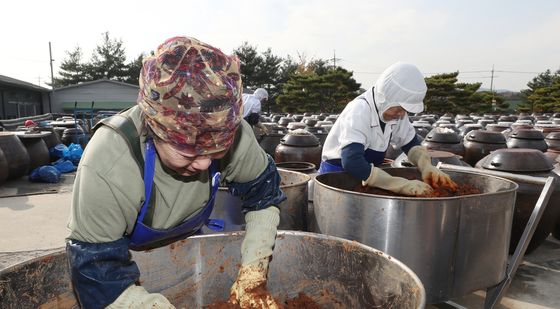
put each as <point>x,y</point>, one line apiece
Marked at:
<point>381,179</point>
<point>262,127</point>
<point>137,297</point>
<point>249,290</point>
<point>419,156</point>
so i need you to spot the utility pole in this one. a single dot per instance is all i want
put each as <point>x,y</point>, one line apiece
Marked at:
<point>492,89</point>
<point>334,59</point>
<point>52,78</point>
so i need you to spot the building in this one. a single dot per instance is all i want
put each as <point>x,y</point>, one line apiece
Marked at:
<point>22,99</point>
<point>102,94</point>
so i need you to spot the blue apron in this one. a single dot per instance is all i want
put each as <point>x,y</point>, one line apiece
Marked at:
<point>143,235</point>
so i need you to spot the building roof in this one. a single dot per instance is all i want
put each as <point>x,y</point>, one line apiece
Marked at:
<point>99,105</point>
<point>103,80</point>
<point>8,81</point>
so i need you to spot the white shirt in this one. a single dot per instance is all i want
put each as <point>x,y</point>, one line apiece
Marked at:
<point>250,105</point>
<point>359,123</point>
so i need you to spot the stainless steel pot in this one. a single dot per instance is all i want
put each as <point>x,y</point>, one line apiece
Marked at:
<point>198,271</point>
<point>456,245</point>
<point>293,211</point>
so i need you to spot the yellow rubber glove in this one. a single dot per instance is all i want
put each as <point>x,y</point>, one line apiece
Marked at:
<point>137,297</point>
<point>262,127</point>
<point>249,290</point>
<point>381,179</point>
<point>419,156</point>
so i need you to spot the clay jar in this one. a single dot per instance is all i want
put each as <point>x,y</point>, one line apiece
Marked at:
<point>16,155</point>
<point>484,122</point>
<point>547,128</point>
<point>36,148</point>
<point>445,140</point>
<point>529,162</point>
<point>480,143</point>
<point>422,128</point>
<point>320,132</point>
<point>497,127</point>
<point>553,142</point>
<point>283,121</point>
<point>269,141</point>
<point>465,129</point>
<point>74,135</point>
<point>527,138</point>
<point>51,139</point>
<point>296,125</point>
<point>3,167</point>
<point>299,146</point>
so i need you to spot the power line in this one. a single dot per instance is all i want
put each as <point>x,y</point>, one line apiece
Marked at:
<point>520,72</point>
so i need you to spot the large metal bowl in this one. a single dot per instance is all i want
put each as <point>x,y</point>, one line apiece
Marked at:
<point>456,245</point>
<point>293,211</point>
<point>200,270</point>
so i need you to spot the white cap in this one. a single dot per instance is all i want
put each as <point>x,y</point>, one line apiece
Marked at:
<point>260,94</point>
<point>401,84</point>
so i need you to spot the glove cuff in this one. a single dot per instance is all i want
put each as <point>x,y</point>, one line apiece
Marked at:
<point>260,234</point>
<point>418,155</point>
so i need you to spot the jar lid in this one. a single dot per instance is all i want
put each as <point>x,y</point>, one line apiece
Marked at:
<point>443,135</point>
<point>488,137</point>
<point>553,135</point>
<point>317,130</point>
<point>300,138</point>
<point>520,160</point>
<point>527,134</point>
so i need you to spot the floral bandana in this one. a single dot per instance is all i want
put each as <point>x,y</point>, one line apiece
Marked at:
<point>190,93</point>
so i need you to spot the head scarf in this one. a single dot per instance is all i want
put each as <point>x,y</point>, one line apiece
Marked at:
<point>401,84</point>
<point>190,94</point>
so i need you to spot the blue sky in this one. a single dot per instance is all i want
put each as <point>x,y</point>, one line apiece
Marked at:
<point>368,35</point>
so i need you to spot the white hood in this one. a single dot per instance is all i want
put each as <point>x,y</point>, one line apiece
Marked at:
<point>401,84</point>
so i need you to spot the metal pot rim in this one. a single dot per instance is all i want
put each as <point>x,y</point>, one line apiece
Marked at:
<point>410,198</point>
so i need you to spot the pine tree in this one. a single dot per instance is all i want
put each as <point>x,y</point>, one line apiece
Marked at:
<point>108,60</point>
<point>72,70</point>
<point>251,61</point>
<point>446,95</point>
<point>543,94</point>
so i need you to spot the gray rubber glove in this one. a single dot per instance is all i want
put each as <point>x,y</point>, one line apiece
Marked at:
<point>381,179</point>
<point>137,297</point>
<point>419,156</point>
<point>260,234</point>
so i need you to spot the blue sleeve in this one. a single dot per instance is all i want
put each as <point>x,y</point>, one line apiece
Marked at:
<point>414,142</point>
<point>354,162</point>
<point>262,192</point>
<point>100,271</point>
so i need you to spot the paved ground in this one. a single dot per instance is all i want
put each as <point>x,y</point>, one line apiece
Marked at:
<point>33,223</point>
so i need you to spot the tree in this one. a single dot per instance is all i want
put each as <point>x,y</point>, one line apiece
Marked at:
<point>308,91</point>
<point>542,95</point>
<point>268,76</point>
<point>482,102</point>
<point>251,62</point>
<point>446,95</point>
<point>134,67</point>
<point>72,70</point>
<point>108,60</point>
